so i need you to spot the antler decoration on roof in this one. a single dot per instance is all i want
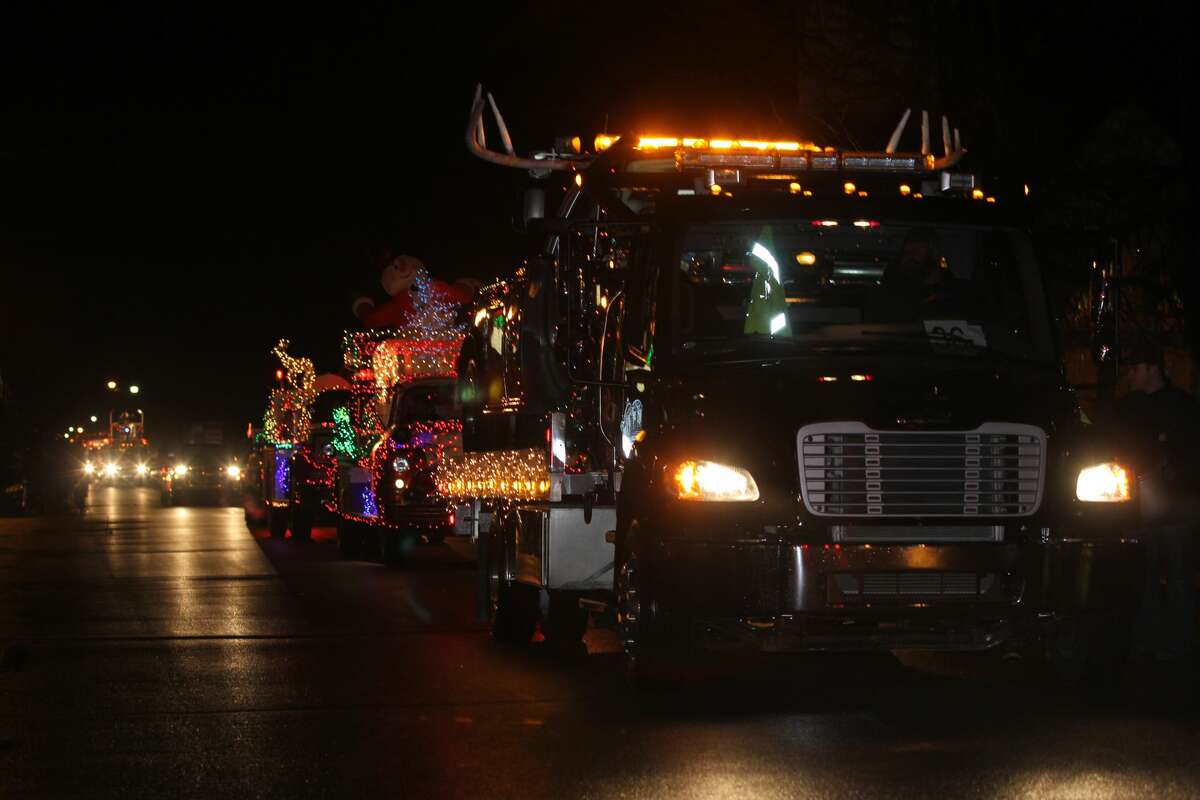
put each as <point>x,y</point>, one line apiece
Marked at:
<point>477,141</point>
<point>952,153</point>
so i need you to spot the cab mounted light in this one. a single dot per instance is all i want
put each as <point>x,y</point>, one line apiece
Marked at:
<point>1103,483</point>
<point>708,481</point>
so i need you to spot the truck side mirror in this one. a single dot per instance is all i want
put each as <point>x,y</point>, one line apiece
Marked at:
<point>637,378</point>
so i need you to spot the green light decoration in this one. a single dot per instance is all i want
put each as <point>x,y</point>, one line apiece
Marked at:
<point>344,439</point>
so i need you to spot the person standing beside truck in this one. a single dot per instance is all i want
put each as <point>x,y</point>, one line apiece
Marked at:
<point>1161,426</point>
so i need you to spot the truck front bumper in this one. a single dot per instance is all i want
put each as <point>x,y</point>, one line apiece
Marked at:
<point>780,596</point>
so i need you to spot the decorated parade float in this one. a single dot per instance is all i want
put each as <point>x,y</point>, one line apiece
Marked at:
<point>401,421</point>
<point>295,468</point>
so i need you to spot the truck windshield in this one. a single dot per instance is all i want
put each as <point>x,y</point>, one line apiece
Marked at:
<point>426,402</point>
<point>860,284</point>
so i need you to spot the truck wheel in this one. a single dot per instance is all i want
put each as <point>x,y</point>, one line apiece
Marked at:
<point>349,538</point>
<point>1086,653</point>
<point>566,622</point>
<point>643,663</point>
<point>514,606</point>
<point>302,522</point>
<point>391,548</point>
<point>277,522</point>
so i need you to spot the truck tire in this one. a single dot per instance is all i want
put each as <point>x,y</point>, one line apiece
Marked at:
<point>391,547</point>
<point>566,623</point>
<point>644,661</point>
<point>349,538</point>
<point>514,606</point>
<point>277,522</point>
<point>1085,653</point>
<point>302,521</point>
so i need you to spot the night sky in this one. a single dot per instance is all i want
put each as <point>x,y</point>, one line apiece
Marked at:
<point>182,188</point>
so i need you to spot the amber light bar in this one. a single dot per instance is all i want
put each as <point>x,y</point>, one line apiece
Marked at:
<point>723,145</point>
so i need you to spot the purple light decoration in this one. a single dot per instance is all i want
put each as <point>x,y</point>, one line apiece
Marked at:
<point>281,476</point>
<point>368,502</point>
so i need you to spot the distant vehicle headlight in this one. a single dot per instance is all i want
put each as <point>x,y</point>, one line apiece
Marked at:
<point>713,482</point>
<point>400,464</point>
<point>234,471</point>
<point>181,469</point>
<point>328,449</point>
<point>141,469</point>
<point>89,468</point>
<point>111,470</point>
<point>1103,483</point>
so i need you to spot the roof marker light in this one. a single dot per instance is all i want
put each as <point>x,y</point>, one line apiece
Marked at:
<point>860,378</point>
<point>827,378</point>
<point>905,190</point>
<point>603,141</point>
<point>849,188</point>
<point>806,258</point>
<point>824,223</point>
<point>866,223</point>
<point>977,194</point>
<point>794,187</point>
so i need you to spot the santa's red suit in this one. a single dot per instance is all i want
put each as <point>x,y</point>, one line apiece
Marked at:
<point>399,280</point>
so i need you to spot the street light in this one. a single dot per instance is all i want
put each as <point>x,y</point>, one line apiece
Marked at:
<point>134,390</point>
<point>94,418</point>
<point>112,385</point>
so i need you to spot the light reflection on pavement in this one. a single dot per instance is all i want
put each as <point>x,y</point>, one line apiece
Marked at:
<point>170,652</point>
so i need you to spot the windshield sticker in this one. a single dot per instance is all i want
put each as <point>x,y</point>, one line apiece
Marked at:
<point>954,335</point>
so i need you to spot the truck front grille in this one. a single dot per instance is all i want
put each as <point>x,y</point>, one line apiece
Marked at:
<point>848,469</point>
<point>914,583</point>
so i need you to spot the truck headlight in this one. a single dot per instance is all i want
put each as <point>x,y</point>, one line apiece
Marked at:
<point>180,470</point>
<point>234,472</point>
<point>89,468</point>
<point>712,482</point>
<point>110,470</point>
<point>1103,483</point>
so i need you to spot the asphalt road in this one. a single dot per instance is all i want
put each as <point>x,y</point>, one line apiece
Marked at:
<point>156,652</point>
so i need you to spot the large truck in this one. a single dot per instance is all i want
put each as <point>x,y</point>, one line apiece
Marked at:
<point>765,395</point>
<point>401,424</point>
<point>123,456</point>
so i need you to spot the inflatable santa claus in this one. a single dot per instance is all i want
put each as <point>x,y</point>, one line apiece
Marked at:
<point>413,297</point>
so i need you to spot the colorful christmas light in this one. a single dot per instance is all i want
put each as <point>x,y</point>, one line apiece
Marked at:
<point>289,414</point>
<point>503,474</point>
